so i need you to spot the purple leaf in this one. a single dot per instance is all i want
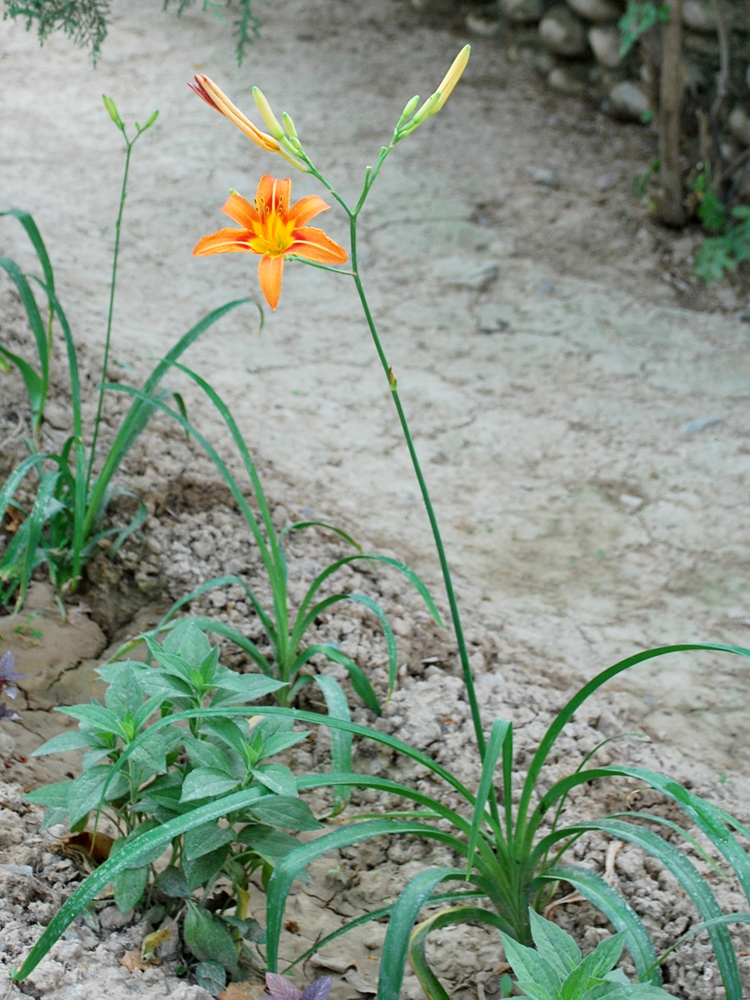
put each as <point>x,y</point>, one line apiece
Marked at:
<point>8,674</point>
<point>318,990</point>
<point>9,714</point>
<point>282,988</point>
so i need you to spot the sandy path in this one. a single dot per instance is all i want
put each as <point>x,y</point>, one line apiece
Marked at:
<point>550,408</point>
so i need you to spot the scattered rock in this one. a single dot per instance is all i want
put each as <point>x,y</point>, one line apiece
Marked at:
<point>544,176</point>
<point>598,11</point>
<point>699,16</point>
<point>631,502</point>
<point>606,182</point>
<point>739,125</point>
<point>483,22</point>
<point>523,11</point>
<point>605,43</point>
<point>743,316</point>
<point>110,919</point>
<point>564,81</point>
<point>627,102</point>
<point>696,426</point>
<point>458,272</point>
<point>57,415</point>
<point>563,33</point>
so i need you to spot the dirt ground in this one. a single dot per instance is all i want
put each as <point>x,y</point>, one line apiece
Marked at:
<point>578,400</point>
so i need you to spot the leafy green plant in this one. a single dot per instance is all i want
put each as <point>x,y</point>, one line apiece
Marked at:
<point>86,22</point>
<point>556,970</point>
<point>285,631</point>
<point>723,253</point>
<point>640,17</point>
<point>511,852</point>
<point>60,498</point>
<point>158,750</point>
<point>510,848</point>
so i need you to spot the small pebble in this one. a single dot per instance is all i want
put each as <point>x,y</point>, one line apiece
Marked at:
<point>696,426</point>
<point>543,176</point>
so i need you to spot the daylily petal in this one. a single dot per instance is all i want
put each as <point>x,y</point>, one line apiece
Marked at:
<point>274,194</point>
<point>240,209</point>
<point>313,244</point>
<point>214,96</point>
<point>224,241</point>
<point>270,271</point>
<point>307,208</point>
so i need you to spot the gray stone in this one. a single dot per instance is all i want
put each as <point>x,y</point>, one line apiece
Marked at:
<point>483,22</point>
<point>747,78</point>
<point>110,919</point>
<point>564,82</point>
<point>523,11</point>
<point>699,17</point>
<point>605,44</point>
<point>543,176</point>
<point>696,426</point>
<point>561,32</point>
<point>459,272</point>
<point>627,102</point>
<point>606,182</point>
<point>739,125</point>
<point>598,11</point>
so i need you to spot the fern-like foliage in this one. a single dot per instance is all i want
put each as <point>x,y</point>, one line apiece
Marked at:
<point>246,25</point>
<point>86,21</point>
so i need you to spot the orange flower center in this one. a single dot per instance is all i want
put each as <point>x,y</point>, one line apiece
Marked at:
<point>274,234</point>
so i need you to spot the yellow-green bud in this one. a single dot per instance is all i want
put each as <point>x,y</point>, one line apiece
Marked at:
<point>289,125</point>
<point>268,116</point>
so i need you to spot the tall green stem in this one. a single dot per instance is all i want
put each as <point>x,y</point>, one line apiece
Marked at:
<point>462,651</point>
<point>110,312</point>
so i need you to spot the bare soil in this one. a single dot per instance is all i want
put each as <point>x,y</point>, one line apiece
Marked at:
<point>582,418</point>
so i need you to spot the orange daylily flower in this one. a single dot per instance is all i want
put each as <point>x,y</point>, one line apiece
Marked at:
<point>273,229</point>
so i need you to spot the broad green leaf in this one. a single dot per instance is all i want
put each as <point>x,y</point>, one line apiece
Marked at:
<point>211,976</point>
<point>536,976</point>
<point>209,940</point>
<point>129,886</point>
<point>202,869</point>
<point>206,754</point>
<point>276,777</point>
<point>205,783</point>
<point>277,742</point>
<point>203,839</point>
<point>96,717</point>
<point>63,743</point>
<point>173,883</point>
<point>607,955</point>
<point>269,844</point>
<point>287,813</point>
<point>555,945</point>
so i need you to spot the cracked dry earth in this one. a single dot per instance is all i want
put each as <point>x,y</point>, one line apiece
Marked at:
<point>579,404</point>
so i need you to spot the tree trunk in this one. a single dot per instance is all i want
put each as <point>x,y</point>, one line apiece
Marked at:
<point>669,200</point>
